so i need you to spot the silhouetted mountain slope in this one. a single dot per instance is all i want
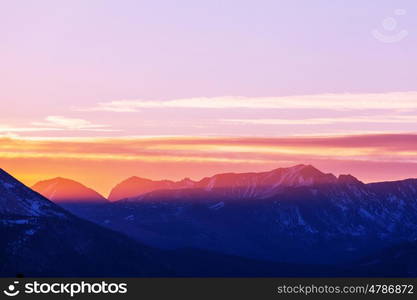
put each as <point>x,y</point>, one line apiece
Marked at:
<point>51,247</point>
<point>197,263</point>
<point>395,261</point>
<point>61,190</point>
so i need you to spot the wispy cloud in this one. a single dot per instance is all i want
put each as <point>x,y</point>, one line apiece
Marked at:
<point>68,123</point>
<point>383,119</point>
<point>57,123</point>
<point>10,129</point>
<point>320,114</point>
<point>371,147</point>
<point>402,101</point>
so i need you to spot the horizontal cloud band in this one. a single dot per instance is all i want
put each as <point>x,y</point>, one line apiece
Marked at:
<point>347,101</point>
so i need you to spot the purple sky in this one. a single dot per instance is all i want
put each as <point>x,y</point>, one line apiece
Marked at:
<point>61,60</point>
<point>60,54</point>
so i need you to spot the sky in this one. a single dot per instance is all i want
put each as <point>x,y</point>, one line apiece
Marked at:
<point>98,90</point>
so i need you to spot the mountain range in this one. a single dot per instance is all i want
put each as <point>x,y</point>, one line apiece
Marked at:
<point>294,221</point>
<point>261,183</point>
<point>40,239</point>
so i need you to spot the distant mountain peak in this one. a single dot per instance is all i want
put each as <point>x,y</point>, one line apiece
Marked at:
<point>302,175</point>
<point>134,186</point>
<point>298,167</point>
<point>305,169</point>
<point>136,178</point>
<point>67,190</point>
<point>187,182</point>
<point>349,179</point>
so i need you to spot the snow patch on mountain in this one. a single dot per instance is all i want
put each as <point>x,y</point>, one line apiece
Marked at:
<point>217,206</point>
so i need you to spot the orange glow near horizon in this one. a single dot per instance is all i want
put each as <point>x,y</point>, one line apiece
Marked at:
<point>101,163</point>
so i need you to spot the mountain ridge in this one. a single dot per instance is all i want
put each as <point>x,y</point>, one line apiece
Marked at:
<point>337,220</point>
<point>41,243</point>
<point>293,176</point>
